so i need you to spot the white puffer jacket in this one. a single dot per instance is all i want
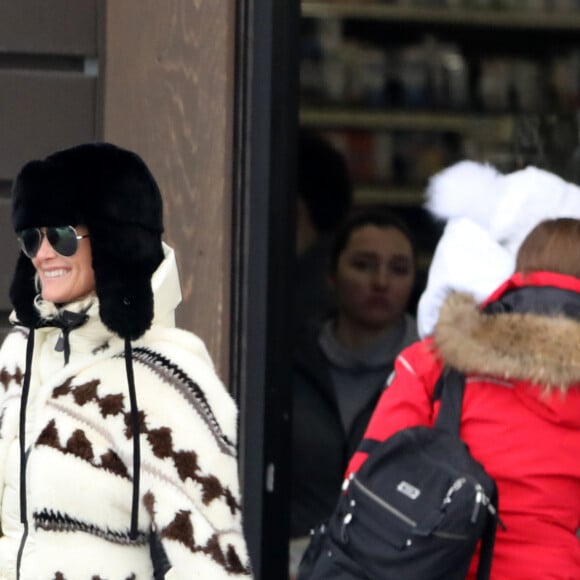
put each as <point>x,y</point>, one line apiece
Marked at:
<point>80,461</point>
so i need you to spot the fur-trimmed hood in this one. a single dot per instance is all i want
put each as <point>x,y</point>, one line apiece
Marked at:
<point>526,345</point>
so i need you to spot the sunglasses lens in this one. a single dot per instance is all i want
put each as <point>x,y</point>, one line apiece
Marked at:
<point>30,241</point>
<point>63,239</point>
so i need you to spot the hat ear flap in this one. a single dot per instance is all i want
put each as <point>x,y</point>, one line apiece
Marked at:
<point>23,291</point>
<point>125,301</point>
<point>124,260</point>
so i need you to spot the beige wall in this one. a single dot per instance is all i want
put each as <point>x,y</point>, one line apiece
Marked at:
<point>168,94</point>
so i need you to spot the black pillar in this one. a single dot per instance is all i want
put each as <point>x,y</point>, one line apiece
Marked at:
<point>263,251</point>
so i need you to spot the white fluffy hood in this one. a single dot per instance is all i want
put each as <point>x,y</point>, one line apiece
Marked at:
<point>488,216</point>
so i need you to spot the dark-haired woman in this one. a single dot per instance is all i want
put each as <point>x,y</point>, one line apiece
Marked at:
<point>341,368</point>
<point>117,439</point>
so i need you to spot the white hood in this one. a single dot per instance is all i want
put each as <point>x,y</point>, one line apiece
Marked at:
<point>488,216</point>
<point>166,289</point>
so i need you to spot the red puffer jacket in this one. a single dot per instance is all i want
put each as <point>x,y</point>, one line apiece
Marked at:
<point>520,417</point>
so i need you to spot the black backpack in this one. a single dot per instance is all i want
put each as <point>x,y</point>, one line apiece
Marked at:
<point>415,510</point>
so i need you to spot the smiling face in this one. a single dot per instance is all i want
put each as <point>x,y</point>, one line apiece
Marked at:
<point>64,279</point>
<point>373,278</point>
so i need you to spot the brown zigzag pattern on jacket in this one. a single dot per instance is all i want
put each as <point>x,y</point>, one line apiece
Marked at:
<point>181,530</point>
<point>160,440</point>
<point>6,378</point>
<point>79,445</point>
<point>187,466</point>
<point>83,394</point>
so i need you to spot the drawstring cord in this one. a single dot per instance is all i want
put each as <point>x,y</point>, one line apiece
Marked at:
<point>136,444</point>
<point>22,424</point>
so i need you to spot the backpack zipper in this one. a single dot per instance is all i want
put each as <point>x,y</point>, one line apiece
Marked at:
<point>398,514</point>
<point>394,511</point>
<point>481,499</point>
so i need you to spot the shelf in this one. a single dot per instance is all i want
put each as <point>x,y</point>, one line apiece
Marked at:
<point>456,16</point>
<point>480,133</point>
<point>498,127</point>
<point>390,195</point>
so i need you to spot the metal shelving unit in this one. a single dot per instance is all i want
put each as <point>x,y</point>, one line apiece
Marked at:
<point>406,120</point>
<point>376,194</point>
<point>492,131</point>
<point>459,16</point>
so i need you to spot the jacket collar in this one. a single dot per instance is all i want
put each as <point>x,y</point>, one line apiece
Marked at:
<point>529,329</point>
<point>534,279</point>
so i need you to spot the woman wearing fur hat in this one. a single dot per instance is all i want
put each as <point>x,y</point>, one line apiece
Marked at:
<point>117,439</point>
<point>521,408</point>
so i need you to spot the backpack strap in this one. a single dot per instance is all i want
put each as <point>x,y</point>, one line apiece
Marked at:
<point>487,543</point>
<point>450,384</point>
<point>449,388</point>
<point>367,445</point>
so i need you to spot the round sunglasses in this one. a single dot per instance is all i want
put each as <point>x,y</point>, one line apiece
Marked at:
<point>63,239</point>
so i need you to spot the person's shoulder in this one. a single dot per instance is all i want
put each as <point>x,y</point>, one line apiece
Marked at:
<point>421,359</point>
<point>419,348</point>
<point>181,396</point>
<point>178,343</point>
<point>183,364</point>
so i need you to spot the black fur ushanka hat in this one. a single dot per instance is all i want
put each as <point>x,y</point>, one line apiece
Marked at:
<point>112,192</point>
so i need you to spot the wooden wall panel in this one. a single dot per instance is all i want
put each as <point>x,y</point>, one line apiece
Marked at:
<point>168,94</point>
<point>8,253</point>
<point>41,112</point>
<point>48,27</point>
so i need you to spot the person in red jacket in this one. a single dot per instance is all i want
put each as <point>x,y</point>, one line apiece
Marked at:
<point>520,352</point>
